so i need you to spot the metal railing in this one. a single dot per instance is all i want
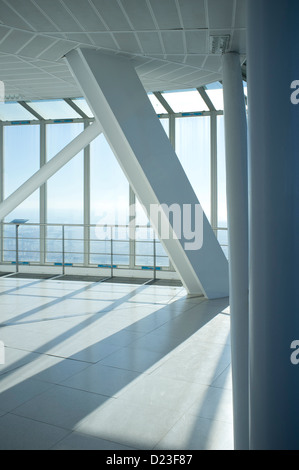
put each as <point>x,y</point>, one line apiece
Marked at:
<point>108,247</point>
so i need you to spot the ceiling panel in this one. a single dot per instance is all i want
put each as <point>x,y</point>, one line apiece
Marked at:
<point>3,32</point>
<point>58,15</point>
<point>85,15</point>
<point>240,16</point>
<point>173,42</point>
<point>112,15</point>
<point>197,42</point>
<point>220,13</point>
<point>137,13</point>
<point>37,46</point>
<point>14,42</point>
<point>150,42</point>
<point>11,18</point>
<point>193,14</point>
<point>128,42</point>
<point>195,60</point>
<point>213,63</point>
<point>57,51</point>
<point>31,13</point>
<point>103,40</point>
<point>167,40</point>
<point>166,14</point>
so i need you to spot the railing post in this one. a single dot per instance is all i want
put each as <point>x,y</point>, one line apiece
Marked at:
<point>63,251</point>
<point>155,263</point>
<point>111,250</point>
<point>17,248</point>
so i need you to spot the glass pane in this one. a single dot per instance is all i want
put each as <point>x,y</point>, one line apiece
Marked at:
<point>162,259</point>
<point>100,252</point>
<point>74,244</point>
<point>156,104</point>
<point>82,104</point>
<point>14,112</point>
<point>185,101</point>
<point>165,124</point>
<point>223,240</point>
<point>59,135</point>
<point>29,244</point>
<point>216,96</point>
<point>109,187</point>
<point>54,109</point>
<point>221,173</point>
<point>65,188</point>
<point>193,150</point>
<point>21,161</point>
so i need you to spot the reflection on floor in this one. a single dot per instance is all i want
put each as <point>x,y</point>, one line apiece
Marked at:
<point>99,365</point>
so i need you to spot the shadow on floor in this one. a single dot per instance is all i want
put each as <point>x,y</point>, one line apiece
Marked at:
<point>207,310</point>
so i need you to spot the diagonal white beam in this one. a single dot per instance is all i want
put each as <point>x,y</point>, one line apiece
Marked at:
<point>115,94</point>
<point>48,170</point>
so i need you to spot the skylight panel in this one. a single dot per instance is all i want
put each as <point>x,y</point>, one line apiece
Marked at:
<point>54,109</point>
<point>216,96</point>
<point>83,105</point>
<point>12,111</point>
<point>156,104</point>
<point>185,101</point>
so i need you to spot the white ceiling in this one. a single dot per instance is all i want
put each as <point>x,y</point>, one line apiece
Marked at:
<point>168,41</point>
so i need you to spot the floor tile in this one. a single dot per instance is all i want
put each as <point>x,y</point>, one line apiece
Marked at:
<point>136,426</point>
<point>168,393</point>
<point>196,362</point>
<point>134,359</point>
<point>61,406</point>
<point>77,441</point>
<point>195,433</point>
<point>18,433</point>
<point>15,391</point>
<point>98,378</point>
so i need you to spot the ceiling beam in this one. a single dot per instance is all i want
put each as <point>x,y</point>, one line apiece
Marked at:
<point>75,108</point>
<point>31,110</point>
<point>206,98</point>
<point>163,101</point>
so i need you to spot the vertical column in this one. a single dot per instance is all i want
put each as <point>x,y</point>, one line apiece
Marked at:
<point>43,196</point>
<point>1,186</point>
<point>237,202</point>
<point>132,227</point>
<point>86,216</point>
<point>214,193</point>
<point>172,129</point>
<point>273,51</point>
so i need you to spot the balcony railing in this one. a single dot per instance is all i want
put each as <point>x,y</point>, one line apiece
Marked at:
<point>107,247</point>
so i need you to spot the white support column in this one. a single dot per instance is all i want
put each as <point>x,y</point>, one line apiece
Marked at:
<point>116,96</point>
<point>214,172</point>
<point>48,170</point>
<point>237,206</point>
<point>273,65</point>
<point>1,188</point>
<point>132,229</point>
<point>86,196</point>
<point>43,196</point>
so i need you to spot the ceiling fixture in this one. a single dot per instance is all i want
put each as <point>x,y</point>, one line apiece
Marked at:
<point>219,44</point>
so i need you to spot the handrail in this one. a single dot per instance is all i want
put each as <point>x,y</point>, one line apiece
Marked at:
<point>62,249</point>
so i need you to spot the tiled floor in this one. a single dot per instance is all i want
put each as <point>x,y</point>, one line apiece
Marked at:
<point>92,365</point>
